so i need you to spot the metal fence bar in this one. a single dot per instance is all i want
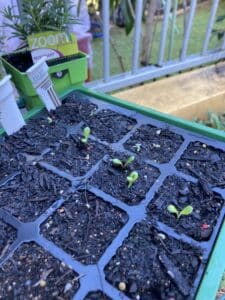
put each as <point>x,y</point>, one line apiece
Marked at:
<point>210,26</point>
<point>106,40</point>
<point>187,30</point>
<point>151,72</point>
<point>175,4</point>
<point>164,32</point>
<point>137,35</point>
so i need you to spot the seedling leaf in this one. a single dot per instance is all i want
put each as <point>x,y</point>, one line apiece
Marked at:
<point>186,211</point>
<point>117,162</point>
<point>172,209</point>
<point>129,161</point>
<point>86,133</point>
<point>132,178</point>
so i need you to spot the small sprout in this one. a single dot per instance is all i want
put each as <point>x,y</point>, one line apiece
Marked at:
<point>49,120</point>
<point>184,212</point>
<point>119,163</point>
<point>137,147</point>
<point>132,178</point>
<point>86,133</point>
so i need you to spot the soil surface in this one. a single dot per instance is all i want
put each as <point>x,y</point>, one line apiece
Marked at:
<point>154,143</point>
<point>23,60</point>
<point>39,134</point>
<point>110,126</point>
<point>113,180</point>
<point>73,110</point>
<point>9,162</point>
<point>84,226</point>
<point>7,236</point>
<point>153,265</point>
<point>206,207</point>
<point>74,157</point>
<point>97,296</point>
<point>31,192</point>
<point>32,273</point>
<point>203,161</point>
<point>20,60</point>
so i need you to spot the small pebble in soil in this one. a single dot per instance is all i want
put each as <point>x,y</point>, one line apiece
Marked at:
<point>122,286</point>
<point>162,236</point>
<point>42,283</point>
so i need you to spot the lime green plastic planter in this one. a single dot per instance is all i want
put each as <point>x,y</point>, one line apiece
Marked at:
<point>64,75</point>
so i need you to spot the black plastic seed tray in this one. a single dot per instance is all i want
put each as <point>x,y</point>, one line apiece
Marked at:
<point>99,238</point>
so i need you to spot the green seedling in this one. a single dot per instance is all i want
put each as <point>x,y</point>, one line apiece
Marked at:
<point>184,212</point>
<point>86,133</point>
<point>132,178</point>
<point>137,147</point>
<point>119,163</point>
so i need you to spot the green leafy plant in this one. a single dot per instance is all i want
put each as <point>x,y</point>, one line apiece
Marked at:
<point>184,212</point>
<point>214,120</point>
<point>86,133</point>
<point>38,16</point>
<point>132,178</point>
<point>123,164</point>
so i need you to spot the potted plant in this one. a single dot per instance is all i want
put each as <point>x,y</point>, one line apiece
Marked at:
<point>110,201</point>
<point>43,16</point>
<point>11,118</point>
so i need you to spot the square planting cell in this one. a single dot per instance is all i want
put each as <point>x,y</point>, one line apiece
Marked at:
<point>74,157</point>
<point>113,180</point>
<point>203,161</point>
<point>109,125</point>
<point>32,273</point>
<point>206,204</point>
<point>7,237</point>
<point>85,226</point>
<point>40,133</point>
<point>31,192</point>
<point>74,110</point>
<point>152,265</point>
<point>154,143</point>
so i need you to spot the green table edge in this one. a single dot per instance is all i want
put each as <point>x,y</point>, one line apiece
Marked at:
<point>216,265</point>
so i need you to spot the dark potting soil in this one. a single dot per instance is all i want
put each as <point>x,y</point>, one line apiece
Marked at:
<point>203,161</point>
<point>7,236</point>
<point>74,157</point>
<point>33,273</point>
<point>39,134</point>
<point>180,193</point>
<point>9,162</point>
<point>113,180</point>
<point>154,143</point>
<point>153,265</point>
<point>20,60</point>
<point>23,60</point>
<point>84,226</point>
<point>31,192</point>
<point>90,225</point>
<point>74,110</point>
<point>110,126</point>
<point>97,296</point>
